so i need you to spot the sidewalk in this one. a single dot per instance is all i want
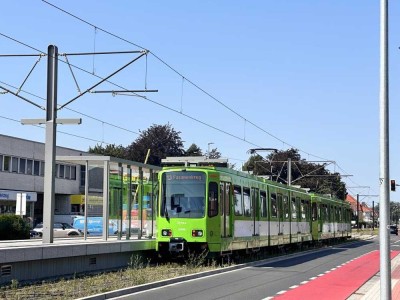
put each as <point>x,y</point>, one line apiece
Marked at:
<point>371,289</point>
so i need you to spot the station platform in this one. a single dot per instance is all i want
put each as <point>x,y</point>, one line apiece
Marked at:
<point>356,280</point>
<point>32,260</point>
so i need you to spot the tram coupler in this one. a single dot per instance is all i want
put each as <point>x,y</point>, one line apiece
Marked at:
<point>177,244</point>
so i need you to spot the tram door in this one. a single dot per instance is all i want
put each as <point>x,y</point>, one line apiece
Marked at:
<point>255,210</point>
<point>225,188</point>
<point>281,213</point>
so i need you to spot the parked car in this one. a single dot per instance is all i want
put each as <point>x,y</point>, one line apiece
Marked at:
<point>394,229</point>
<point>60,230</point>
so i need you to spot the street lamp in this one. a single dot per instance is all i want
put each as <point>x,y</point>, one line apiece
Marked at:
<point>208,149</point>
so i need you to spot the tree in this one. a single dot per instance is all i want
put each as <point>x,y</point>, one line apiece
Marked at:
<point>214,153</point>
<point>394,211</point>
<point>162,140</point>
<point>193,150</point>
<point>109,150</point>
<point>306,174</point>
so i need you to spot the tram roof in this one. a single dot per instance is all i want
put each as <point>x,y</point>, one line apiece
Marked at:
<point>194,161</point>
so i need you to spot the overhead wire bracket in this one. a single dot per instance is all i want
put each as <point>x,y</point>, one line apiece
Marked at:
<point>72,73</point>
<point>27,76</point>
<point>142,53</point>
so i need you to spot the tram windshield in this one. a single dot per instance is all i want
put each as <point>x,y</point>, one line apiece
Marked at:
<point>183,194</point>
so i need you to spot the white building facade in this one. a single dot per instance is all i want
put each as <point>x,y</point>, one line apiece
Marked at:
<point>22,172</point>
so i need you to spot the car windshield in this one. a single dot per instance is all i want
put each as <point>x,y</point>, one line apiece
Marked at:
<point>56,225</point>
<point>66,225</point>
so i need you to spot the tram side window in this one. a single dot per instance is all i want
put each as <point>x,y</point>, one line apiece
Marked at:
<point>294,210</point>
<point>263,204</point>
<point>314,212</point>
<point>286,206</point>
<point>212,199</point>
<point>247,202</point>
<point>281,209</point>
<point>307,207</point>
<point>274,206</point>
<point>237,193</point>
<point>330,213</point>
<point>325,215</point>
<point>302,210</point>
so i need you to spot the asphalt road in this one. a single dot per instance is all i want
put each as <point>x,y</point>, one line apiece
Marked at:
<point>265,279</point>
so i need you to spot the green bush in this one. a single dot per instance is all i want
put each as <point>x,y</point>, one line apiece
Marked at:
<point>13,227</point>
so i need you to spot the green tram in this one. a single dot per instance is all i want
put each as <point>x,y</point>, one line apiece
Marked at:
<point>206,206</point>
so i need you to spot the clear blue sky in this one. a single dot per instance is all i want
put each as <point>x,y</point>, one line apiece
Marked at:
<point>305,72</point>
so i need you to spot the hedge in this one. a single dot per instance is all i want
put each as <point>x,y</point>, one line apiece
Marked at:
<point>13,227</point>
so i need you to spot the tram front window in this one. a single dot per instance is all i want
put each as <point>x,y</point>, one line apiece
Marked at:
<point>183,194</point>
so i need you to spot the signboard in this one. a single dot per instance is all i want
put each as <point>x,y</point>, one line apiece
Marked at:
<point>12,195</point>
<point>21,204</point>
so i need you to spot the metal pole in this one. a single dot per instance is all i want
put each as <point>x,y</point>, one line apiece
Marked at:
<point>358,218</point>
<point>129,171</point>
<point>85,227</point>
<point>386,289</point>
<point>140,204</point>
<point>50,145</point>
<point>373,215</point>
<point>106,199</point>
<point>289,179</point>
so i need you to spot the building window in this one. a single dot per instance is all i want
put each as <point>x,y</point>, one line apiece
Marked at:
<point>14,166</point>
<point>29,166</point>
<point>67,172</point>
<point>73,172</point>
<point>36,168</point>
<point>42,168</point>
<point>83,174</point>
<point>22,166</point>
<point>61,171</point>
<point>7,163</point>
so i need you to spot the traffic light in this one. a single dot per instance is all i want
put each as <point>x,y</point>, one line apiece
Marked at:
<point>393,185</point>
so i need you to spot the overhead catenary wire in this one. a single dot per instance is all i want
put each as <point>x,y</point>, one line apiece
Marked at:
<point>221,103</point>
<point>78,112</point>
<point>155,102</point>
<point>181,75</point>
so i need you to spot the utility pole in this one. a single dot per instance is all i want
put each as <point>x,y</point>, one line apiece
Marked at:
<point>51,122</point>
<point>50,145</point>
<point>384,245</point>
<point>358,213</point>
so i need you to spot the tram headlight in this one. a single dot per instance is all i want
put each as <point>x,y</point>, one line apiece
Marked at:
<point>166,232</point>
<point>197,233</point>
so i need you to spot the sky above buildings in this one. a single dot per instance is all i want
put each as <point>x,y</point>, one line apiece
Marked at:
<point>237,74</point>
